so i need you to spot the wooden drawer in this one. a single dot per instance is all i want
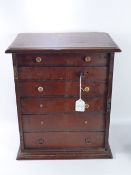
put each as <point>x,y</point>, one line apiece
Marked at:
<point>90,59</point>
<point>64,140</point>
<point>43,105</point>
<point>62,73</point>
<point>63,122</point>
<point>69,88</point>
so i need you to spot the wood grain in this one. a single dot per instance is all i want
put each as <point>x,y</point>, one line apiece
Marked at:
<point>44,105</point>
<point>67,59</point>
<point>64,122</point>
<point>67,88</point>
<point>62,73</point>
<point>63,42</point>
<point>64,140</point>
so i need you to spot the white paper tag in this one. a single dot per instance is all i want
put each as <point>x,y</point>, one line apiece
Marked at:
<point>80,105</point>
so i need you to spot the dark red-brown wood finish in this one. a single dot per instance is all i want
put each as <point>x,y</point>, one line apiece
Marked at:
<point>47,68</point>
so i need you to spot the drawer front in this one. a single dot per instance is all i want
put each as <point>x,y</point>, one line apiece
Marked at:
<point>64,140</point>
<point>63,122</point>
<point>62,73</point>
<point>89,89</point>
<point>99,59</point>
<point>43,105</point>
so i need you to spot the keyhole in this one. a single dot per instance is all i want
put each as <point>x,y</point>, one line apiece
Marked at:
<point>41,141</point>
<point>87,73</point>
<point>87,141</point>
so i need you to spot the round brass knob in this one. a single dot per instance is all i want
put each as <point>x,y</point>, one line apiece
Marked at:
<point>40,89</point>
<point>87,59</point>
<point>87,106</point>
<point>41,105</point>
<point>87,89</point>
<point>41,122</point>
<point>38,59</point>
<point>86,122</point>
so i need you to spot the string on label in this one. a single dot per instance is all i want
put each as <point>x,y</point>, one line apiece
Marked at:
<point>80,104</point>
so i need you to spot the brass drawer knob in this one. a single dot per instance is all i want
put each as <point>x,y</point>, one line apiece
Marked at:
<point>87,89</point>
<point>87,106</point>
<point>40,89</point>
<point>41,105</point>
<point>38,59</point>
<point>41,122</point>
<point>87,59</point>
<point>86,122</point>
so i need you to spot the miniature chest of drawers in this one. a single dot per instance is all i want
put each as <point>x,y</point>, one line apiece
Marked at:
<point>47,69</point>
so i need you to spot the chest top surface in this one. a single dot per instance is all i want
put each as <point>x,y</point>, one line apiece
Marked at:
<point>62,42</point>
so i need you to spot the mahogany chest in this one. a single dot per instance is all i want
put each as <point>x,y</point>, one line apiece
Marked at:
<point>47,70</point>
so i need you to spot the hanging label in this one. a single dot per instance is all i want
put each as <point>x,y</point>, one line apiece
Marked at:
<point>80,104</point>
